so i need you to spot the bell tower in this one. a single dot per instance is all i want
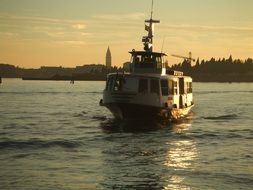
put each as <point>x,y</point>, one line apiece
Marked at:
<point>108,58</point>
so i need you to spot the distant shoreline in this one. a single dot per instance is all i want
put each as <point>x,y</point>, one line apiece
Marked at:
<point>221,70</point>
<point>65,79</point>
<point>196,77</point>
<point>43,79</point>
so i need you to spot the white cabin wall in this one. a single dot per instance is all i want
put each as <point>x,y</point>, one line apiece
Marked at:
<point>188,97</point>
<point>131,84</point>
<point>147,99</point>
<point>176,97</point>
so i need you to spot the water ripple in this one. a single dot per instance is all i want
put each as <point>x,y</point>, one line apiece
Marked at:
<point>29,144</point>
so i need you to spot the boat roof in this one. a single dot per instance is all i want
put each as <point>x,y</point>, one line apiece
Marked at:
<point>133,52</point>
<point>148,75</point>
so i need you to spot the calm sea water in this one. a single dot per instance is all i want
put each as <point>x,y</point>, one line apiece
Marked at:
<point>53,135</point>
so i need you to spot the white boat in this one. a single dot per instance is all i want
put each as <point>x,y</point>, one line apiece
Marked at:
<point>149,90</point>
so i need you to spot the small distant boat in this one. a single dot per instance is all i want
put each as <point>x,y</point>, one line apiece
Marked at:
<point>149,90</point>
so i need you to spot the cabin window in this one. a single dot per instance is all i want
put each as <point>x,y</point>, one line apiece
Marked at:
<point>171,87</point>
<point>137,59</point>
<point>144,61</point>
<point>115,83</point>
<point>119,81</point>
<point>148,61</point>
<point>175,87</point>
<point>158,62</point>
<point>189,87</point>
<point>164,87</point>
<point>109,85</point>
<point>154,86</point>
<point>143,86</point>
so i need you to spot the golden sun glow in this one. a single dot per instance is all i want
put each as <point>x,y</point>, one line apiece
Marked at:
<point>64,33</point>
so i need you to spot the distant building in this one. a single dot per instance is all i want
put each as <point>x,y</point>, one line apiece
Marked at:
<point>51,69</point>
<point>108,58</point>
<point>89,68</point>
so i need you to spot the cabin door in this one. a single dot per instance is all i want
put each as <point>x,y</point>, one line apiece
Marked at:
<point>181,92</point>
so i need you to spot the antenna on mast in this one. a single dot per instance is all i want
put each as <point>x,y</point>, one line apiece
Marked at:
<point>152,9</point>
<point>148,40</point>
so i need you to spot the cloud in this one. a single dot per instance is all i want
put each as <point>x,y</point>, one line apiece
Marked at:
<point>10,20</point>
<point>79,26</point>
<point>43,29</point>
<point>210,28</point>
<point>8,34</point>
<point>115,17</point>
<point>56,34</point>
<point>71,43</point>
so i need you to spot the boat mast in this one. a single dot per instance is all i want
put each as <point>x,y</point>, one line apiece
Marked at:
<point>148,40</point>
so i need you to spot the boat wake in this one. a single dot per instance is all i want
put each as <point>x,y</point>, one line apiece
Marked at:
<point>145,125</point>
<point>222,117</point>
<point>223,92</point>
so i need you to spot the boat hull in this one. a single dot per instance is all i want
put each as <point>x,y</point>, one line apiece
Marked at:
<point>136,111</point>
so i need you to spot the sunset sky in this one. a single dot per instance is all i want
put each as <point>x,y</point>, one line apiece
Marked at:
<point>72,33</point>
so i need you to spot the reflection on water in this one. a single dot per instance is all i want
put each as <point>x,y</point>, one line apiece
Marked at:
<point>133,154</point>
<point>175,182</point>
<point>69,142</point>
<point>181,154</point>
<point>181,127</point>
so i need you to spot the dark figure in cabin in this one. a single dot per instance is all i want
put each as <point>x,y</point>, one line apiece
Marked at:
<point>137,62</point>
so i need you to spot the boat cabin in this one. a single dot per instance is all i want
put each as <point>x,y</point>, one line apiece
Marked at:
<point>147,62</point>
<point>148,90</point>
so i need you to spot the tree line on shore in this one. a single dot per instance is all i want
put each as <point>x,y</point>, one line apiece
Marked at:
<point>221,70</point>
<point>221,66</point>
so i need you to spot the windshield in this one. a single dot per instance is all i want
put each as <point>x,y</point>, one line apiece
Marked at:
<point>146,61</point>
